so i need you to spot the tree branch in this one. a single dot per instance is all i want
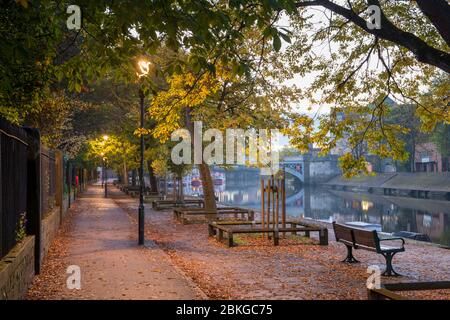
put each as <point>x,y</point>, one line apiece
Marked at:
<point>438,12</point>
<point>423,52</point>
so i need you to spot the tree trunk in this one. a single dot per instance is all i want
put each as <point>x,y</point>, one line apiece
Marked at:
<point>208,188</point>
<point>174,188</point>
<point>165,185</point>
<point>180,188</point>
<point>205,175</point>
<point>153,182</point>
<point>133,177</point>
<point>413,155</point>
<point>125,174</point>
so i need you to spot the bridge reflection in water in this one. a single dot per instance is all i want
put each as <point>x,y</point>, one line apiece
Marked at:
<point>431,217</point>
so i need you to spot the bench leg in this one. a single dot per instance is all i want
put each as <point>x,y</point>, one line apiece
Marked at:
<point>389,272</point>
<point>323,237</point>
<point>294,225</point>
<point>307,234</point>
<point>276,238</point>
<point>211,232</point>
<point>230,239</point>
<point>219,235</point>
<point>350,258</point>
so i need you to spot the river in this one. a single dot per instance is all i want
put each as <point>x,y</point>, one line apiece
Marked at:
<point>386,213</point>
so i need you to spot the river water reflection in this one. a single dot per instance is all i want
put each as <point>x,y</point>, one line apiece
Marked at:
<point>391,214</point>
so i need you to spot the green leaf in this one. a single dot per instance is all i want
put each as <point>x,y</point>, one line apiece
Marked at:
<point>178,69</point>
<point>285,37</point>
<point>276,43</point>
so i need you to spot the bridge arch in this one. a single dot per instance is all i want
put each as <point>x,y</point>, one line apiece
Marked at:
<point>296,173</point>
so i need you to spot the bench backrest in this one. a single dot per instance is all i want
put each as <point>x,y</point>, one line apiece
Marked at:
<point>365,238</point>
<point>343,233</point>
<point>356,237</point>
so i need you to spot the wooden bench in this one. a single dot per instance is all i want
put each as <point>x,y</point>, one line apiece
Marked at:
<point>134,190</point>
<point>167,204</point>
<point>355,238</point>
<point>152,197</point>
<point>128,189</point>
<point>389,291</point>
<point>219,228</point>
<point>182,214</point>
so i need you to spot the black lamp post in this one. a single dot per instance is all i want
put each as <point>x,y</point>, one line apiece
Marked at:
<point>105,166</point>
<point>141,176</point>
<point>144,69</point>
<point>103,174</point>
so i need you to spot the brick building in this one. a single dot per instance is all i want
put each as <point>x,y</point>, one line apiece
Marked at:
<point>427,158</point>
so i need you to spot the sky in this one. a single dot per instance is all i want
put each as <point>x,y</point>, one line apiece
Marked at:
<point>302,81</point>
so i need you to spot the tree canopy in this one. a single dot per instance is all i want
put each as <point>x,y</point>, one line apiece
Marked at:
<point>230,62</point>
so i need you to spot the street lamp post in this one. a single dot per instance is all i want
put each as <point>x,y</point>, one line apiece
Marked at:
<point>144,69</point>
<point>105,165</point>
<point>103,173</point>
<point>141,176</point>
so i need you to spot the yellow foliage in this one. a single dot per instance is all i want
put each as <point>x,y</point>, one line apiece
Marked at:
<point>185,90</point>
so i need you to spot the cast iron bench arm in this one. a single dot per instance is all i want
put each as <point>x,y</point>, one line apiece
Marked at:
<point>394,238</point>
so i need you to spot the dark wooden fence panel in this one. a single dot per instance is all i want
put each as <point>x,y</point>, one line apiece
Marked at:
<point>14,147</point>
<point>34,194</point>
<point>28,184</point>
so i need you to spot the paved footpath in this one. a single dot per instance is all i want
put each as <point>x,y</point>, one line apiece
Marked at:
<point>102,241</point>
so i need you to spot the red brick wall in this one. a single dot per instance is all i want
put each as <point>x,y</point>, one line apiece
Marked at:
<point>433,154</point>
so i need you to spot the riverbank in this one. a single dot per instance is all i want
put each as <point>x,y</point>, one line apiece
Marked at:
<point>297,269</point>
<point>429,185</point>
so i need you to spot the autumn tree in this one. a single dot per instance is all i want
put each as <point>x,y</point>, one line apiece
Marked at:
<point>224,97</point>
<point>355,69</point>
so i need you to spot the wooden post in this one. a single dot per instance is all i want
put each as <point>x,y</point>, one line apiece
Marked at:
<point>323,237</point>
<point>277,215</point>
<point>268,203</point>
<point>283,199</point>
<point>276,237</point>
<point>263,200</point>
<point>272,190</point>
<point>211,232</point>
<point>230,239</point>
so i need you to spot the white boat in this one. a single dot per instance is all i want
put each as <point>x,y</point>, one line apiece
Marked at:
<point>364,225</point>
